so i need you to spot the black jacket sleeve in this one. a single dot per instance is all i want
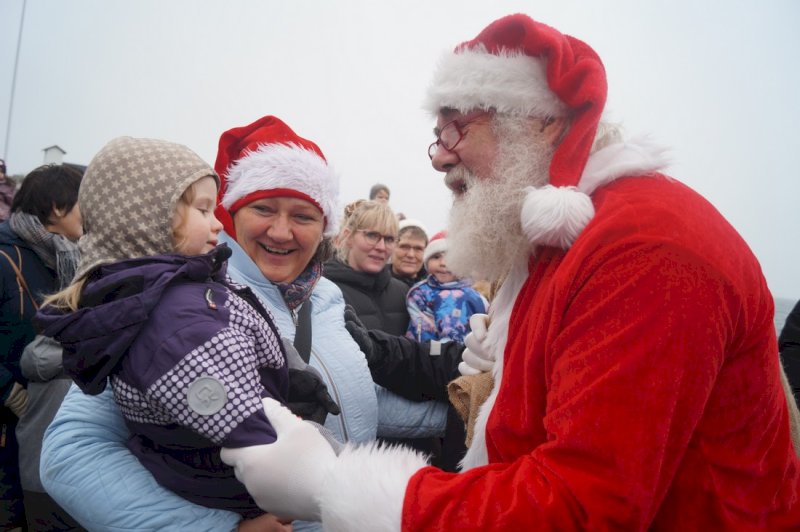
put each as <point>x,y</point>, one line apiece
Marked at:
<point>407,368</point>
<point>404,366</point>
<point>789,346</point>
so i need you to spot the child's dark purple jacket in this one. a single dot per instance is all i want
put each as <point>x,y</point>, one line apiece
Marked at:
<point>190,355</point>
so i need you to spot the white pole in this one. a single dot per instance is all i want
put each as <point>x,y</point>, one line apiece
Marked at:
<point>13,83</point>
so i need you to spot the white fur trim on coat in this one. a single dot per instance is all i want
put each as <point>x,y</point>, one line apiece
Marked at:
<point>497,336</point>
<point>287,166</point>
<point>510,82</point>
<point>555,216</point>
<point>366,487</point>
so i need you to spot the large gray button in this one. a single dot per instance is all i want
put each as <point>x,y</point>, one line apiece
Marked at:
<point>206,396</point>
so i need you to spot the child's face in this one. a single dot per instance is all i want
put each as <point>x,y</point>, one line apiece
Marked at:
<point>195,227</point>
<point>437,266</point>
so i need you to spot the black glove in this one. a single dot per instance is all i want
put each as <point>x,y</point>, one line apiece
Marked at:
<point>309,397</point>
<point>359,332</point>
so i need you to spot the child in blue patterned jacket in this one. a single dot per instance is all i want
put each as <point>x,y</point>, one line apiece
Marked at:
<point>440,306</point>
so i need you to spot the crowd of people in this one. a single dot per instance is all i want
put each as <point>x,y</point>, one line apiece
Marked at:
<point>587,345</point>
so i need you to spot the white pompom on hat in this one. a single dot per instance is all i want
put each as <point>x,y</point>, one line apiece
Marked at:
<point>268,159</point>
<point>522,67</point>
<point>437,244</point>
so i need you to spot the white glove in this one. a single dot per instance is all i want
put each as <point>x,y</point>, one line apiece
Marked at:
<point>17,400</point>
<point>476,358</point>
<point>284,477</point>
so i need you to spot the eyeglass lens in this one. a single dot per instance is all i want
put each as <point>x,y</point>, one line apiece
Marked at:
<point>373,237</point>
<point>449,137</point>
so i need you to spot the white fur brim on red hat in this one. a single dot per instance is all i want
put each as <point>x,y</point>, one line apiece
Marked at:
<point>511,83</point>
<point>435,246</point>
<point>287,167</point>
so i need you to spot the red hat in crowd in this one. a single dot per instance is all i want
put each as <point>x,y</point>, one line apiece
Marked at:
<point>266,159</point>
<point>437,244</point>
<point>522,67</point>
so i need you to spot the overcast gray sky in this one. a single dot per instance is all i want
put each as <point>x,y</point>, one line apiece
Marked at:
<point>715,80</point>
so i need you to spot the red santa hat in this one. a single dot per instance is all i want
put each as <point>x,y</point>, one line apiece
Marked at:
<point>522,67</point>
<point>266,159</point>
<point>437,244</point>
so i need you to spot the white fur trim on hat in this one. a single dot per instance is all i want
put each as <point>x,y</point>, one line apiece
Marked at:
<point>410,222</point>
<point>435,246</point>
<point>365,488</point>
<point>288,166</point>
<point>509,82</point>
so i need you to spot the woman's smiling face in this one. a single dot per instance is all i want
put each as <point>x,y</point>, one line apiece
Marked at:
<point>280,234</point>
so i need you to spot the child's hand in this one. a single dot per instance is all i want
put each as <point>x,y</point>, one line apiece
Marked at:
<point>265,523</point>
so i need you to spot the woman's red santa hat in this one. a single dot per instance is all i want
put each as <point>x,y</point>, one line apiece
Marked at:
<point>518,66</point>
<point>266,159</point>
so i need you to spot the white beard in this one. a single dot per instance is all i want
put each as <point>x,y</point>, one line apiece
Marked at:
<point>485,237</point>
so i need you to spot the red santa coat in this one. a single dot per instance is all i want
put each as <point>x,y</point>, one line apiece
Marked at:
<point>640,385</point>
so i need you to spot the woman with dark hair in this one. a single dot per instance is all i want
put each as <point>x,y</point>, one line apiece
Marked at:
<point>38,256</point>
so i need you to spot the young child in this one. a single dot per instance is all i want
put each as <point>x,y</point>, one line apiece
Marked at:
<point>190,354</point>
<point>440,306</point>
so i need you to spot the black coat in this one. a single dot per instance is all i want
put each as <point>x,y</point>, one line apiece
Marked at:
<point>378,298</point>
<point>789,345</point>
<point>15,331</point>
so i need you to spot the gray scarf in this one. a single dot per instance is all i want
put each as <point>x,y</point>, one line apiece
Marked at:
<point>56,251</point>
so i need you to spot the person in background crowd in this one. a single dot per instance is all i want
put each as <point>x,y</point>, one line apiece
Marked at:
<point>406,262</point>
<point>7,190</point>
<point>789,347</point>
<point>363,247</point>
<point>278,204</point>
<point>380,193</point>
<point>440,306</point>
<point>38,256</point>
<point>636,378</point>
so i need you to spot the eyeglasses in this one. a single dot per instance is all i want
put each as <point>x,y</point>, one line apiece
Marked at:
<point>373,237</point>
<point>417,250</point>
<point>452,133</point>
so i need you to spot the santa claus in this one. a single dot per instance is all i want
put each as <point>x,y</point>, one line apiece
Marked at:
<point>637,383</point>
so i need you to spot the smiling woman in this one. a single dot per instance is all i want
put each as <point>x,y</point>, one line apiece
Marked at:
<point>281,235</point>
<point>278,206</point>
<point>363,247</point>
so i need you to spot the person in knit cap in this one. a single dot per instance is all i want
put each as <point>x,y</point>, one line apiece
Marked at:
<point>440,306</point>
<point>278,205</point>
<point>637,383</point>
<point>189,354</point>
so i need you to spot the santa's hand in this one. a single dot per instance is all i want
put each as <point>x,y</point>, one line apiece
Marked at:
<point>477,358</point>
<point>284,477</point>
